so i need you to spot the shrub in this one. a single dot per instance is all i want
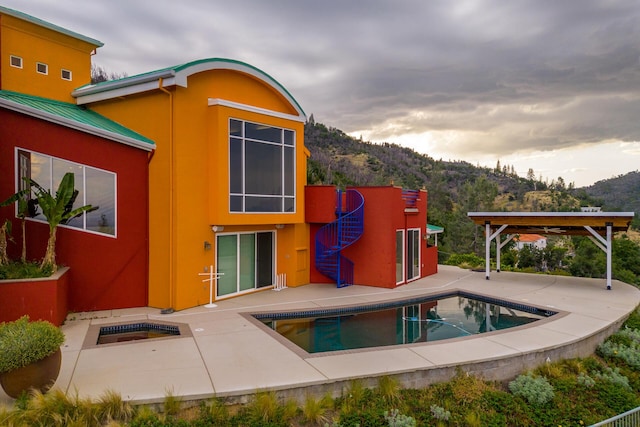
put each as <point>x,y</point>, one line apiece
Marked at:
<point>613,376</point>
<point>396,419</point>
<point>535,390</point>
<point>585,380</point>
<point>466,260</point>
<point>23,270</point>
<point>439,413</point>
<point>316,411</point>
<point>23,342</point>
<point>633,322</point>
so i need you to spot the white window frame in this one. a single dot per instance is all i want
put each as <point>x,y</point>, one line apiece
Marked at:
<point>243,193</point>
<point>19,58</point>
<point>46,68</point>
<point>403,248</point>
<point>78,184</point>
<point>63,71</point>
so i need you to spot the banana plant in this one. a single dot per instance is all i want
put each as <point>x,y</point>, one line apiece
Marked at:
<point>57,210</point>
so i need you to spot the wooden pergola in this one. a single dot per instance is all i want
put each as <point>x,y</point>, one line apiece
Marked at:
<point>598,226</point>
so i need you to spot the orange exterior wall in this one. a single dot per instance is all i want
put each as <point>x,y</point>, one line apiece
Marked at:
<point>374,254</point>
<point>34,43</point>
<point>189,180</point>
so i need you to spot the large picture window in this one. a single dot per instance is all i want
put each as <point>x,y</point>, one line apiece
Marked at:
<point>261,168</point>
<point>95,187</point>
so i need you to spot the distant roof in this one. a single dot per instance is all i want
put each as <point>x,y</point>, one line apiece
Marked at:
<point>530,237</point>
<point>50,26</point>
<point>558,223</point>
<point>176,75</point>
<point>73,116</point>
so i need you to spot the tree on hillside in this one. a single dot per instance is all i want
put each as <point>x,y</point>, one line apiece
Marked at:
<point>99,74</point>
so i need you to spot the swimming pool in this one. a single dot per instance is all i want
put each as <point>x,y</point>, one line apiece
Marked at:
<point>444,316</point>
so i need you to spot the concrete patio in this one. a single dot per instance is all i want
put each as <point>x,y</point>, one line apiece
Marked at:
<point>229,355</point>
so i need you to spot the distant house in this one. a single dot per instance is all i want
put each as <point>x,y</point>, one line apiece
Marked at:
<point>532,240</point>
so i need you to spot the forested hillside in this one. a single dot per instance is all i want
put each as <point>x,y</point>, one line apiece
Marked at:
<point>621,193</point>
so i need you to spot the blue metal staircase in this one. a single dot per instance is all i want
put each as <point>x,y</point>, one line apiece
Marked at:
<point>332,238</point>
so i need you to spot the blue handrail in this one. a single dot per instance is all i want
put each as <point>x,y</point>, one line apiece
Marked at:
<point>332,238</point>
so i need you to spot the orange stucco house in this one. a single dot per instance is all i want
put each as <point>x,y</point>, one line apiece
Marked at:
<point>221,179</point>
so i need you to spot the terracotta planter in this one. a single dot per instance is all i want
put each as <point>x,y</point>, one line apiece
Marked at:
<point>39,375</point>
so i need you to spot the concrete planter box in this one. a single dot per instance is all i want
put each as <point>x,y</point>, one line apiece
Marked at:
<point>44,298</point>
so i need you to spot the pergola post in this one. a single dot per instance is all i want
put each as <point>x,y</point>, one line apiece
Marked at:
<point>605,245</point>
<point>487,246</point>
<point>499,246</point>
<point>609,251</point>
<point>487,250</point>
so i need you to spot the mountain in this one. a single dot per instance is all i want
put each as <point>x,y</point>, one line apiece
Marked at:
<point>337,158</point>
<point>621,193</point>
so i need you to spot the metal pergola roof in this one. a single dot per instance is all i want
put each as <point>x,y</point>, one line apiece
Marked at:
<point>598,226</point>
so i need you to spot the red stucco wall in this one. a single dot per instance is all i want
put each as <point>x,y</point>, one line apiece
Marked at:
<point>374,254</point>
<point>105,272</point>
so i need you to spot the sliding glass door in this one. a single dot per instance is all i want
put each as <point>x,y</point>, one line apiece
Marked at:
<point>413,254</point>
<point>245,261</point>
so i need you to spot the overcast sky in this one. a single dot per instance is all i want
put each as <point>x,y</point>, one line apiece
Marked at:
<point>550,85</point>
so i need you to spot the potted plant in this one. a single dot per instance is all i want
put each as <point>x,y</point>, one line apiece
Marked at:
<point>30,355</point>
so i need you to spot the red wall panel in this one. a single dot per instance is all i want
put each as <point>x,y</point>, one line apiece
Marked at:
<point>106,272</point>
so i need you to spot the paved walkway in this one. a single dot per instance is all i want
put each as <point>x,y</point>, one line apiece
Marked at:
<point>229,355</point>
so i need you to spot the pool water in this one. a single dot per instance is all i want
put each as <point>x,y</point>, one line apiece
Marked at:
<point>405,322</point>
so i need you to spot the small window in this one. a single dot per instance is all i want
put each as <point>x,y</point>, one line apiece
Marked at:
<point>16,61</point>
<point>65,74</point>
<point>42,68</point>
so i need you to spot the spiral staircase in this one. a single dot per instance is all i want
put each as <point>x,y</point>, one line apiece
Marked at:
<point>334,237</point>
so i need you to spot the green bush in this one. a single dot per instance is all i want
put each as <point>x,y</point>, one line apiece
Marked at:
<point>613,376</point>
<point>396,419</point>
<point>26,270</point>
<point>466,260</point>
<point>535,390</point>
<point>23,342</point>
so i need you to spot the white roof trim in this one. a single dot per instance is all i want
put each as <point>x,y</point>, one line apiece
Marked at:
<point>253,109</point>
<point>34,112</point>
<point>552,214</point>
<point>96,93</point>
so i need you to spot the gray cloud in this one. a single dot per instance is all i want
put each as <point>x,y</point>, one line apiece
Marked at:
<point>517,75</point>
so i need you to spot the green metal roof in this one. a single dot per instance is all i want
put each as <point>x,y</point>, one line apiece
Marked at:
<point>50,26</point>
<point>179,72</point>
<point>433,229</point>
<point>73,116</point>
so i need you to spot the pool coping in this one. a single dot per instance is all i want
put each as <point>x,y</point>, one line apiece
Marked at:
<point>250,316</point>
